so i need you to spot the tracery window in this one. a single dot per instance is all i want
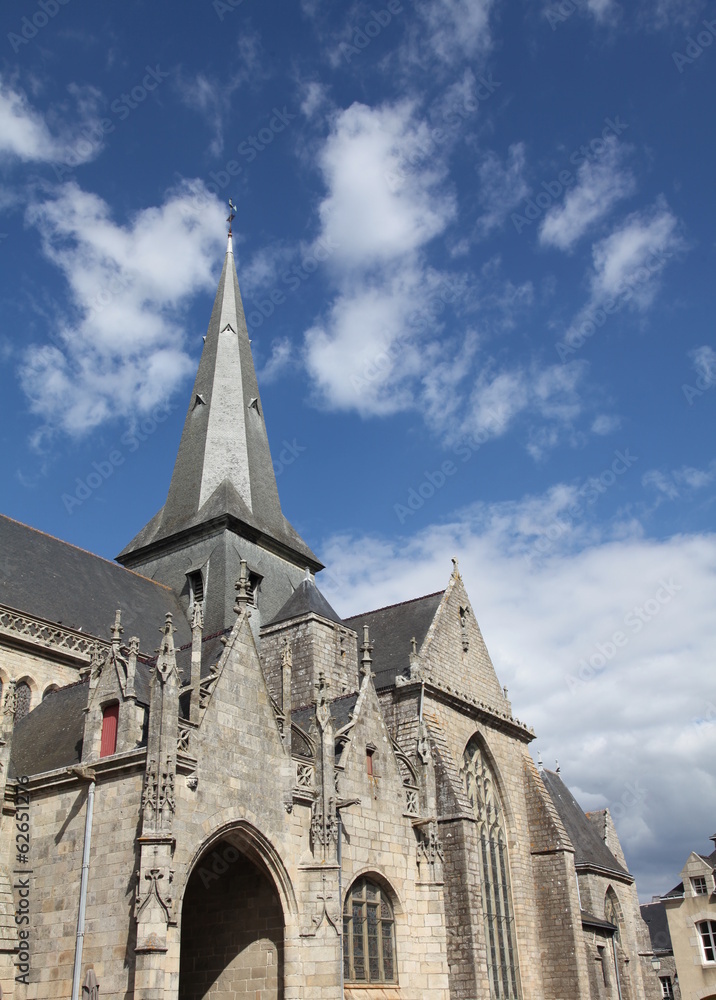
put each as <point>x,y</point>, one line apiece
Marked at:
<point>23,696</point>
<point>368,935</point>
<point>498,915</point>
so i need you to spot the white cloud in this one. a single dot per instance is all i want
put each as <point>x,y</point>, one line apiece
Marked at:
<point>704,361</point>
<point>502,188</point>
<point>282,358</point>
<point>457,29</point>
<point>600,184</point>
<point>26,136</point>
<point>605,424</point>
<point>627,265</point>
<point>383,198</point>
<point>679,483</point>
<point>636,717</point>
<point>122,350</point>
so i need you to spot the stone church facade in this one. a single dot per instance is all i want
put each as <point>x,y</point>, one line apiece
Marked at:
<point>276,803</point>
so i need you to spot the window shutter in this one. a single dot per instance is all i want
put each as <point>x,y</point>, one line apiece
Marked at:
<point>110,715</point>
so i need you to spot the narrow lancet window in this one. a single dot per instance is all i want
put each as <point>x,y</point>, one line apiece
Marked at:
<point>498,914</point>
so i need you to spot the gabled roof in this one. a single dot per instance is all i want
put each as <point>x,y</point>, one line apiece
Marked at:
<point>50,737</point>
<point>50,579</point>
<point>391,631</point>
<point>223,466</point>
<point>306,599</point>
<point>589,849</point>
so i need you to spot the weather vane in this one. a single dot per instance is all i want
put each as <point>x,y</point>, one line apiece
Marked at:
<point>232,214</point>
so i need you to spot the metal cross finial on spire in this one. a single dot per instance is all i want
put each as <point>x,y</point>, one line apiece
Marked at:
<point>232,214</point>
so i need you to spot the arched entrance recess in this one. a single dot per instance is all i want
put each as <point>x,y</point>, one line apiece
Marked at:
<point>232,924</point>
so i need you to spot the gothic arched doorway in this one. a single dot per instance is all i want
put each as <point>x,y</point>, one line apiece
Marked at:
<point>232,929</point>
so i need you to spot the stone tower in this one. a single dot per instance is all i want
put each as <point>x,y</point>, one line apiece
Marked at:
<point>223,503</point>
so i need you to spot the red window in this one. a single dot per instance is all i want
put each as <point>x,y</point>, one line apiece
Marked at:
<point>369,760</point>
<point>110,715</point>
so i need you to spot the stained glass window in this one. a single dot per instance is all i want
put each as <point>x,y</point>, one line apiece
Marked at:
<point>368,935</point>
<point>497,910</point>
<point>23,696</point>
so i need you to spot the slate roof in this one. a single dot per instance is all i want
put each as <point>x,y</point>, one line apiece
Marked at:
<point>391,631</point>
<point>50,737</point>
<point>58,582</point>
<point>341,709</point>
<point>654,916</point>
<point>306,599</point>
<point>589,848</point>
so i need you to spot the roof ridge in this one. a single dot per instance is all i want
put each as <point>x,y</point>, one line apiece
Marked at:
<point>87,552</point>
<point>398,604</point>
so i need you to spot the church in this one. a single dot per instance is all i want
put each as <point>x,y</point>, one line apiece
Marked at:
<point>215,788</point>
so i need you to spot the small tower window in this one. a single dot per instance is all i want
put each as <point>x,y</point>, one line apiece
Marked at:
<point>196,587</point>
<point>108,743</point>
<point>369,751</point>
<point>254,589</point>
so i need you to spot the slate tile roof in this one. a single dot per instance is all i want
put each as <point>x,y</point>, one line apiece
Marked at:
<point>50,737</point>
<point>306,599</point>
<point>654,916</point>
<point>391,631</point>
<point>589,848</point>
<point>50,579</point>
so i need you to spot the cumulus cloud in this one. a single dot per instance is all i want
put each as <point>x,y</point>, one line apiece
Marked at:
<point>121,349</point>
<point>384,198</point>
<point>600,184</point>
<point>25,134</point>
<point>605,643</point>
<point>381,346</point>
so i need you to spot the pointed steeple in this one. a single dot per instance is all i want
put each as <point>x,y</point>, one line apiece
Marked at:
<point>224,467</point>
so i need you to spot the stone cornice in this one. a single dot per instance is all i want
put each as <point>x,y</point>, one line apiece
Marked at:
<point>467,705</point>
<point>60,642</point>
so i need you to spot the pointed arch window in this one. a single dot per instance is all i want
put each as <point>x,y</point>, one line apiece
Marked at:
<point>23,698</point>
<point>497,910</point>
<point>368,935</point>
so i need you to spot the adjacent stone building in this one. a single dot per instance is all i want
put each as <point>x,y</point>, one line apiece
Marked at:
<point>275,802</point>
<point>691,914</point>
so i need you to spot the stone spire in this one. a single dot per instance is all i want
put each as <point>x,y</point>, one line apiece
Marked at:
<point>224,465</point>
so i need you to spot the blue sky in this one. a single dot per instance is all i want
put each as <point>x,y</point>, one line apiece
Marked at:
<point>475,245</point>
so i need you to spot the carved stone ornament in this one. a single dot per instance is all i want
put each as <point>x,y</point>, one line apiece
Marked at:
<point>324,897</point>
<point>154,876</point>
